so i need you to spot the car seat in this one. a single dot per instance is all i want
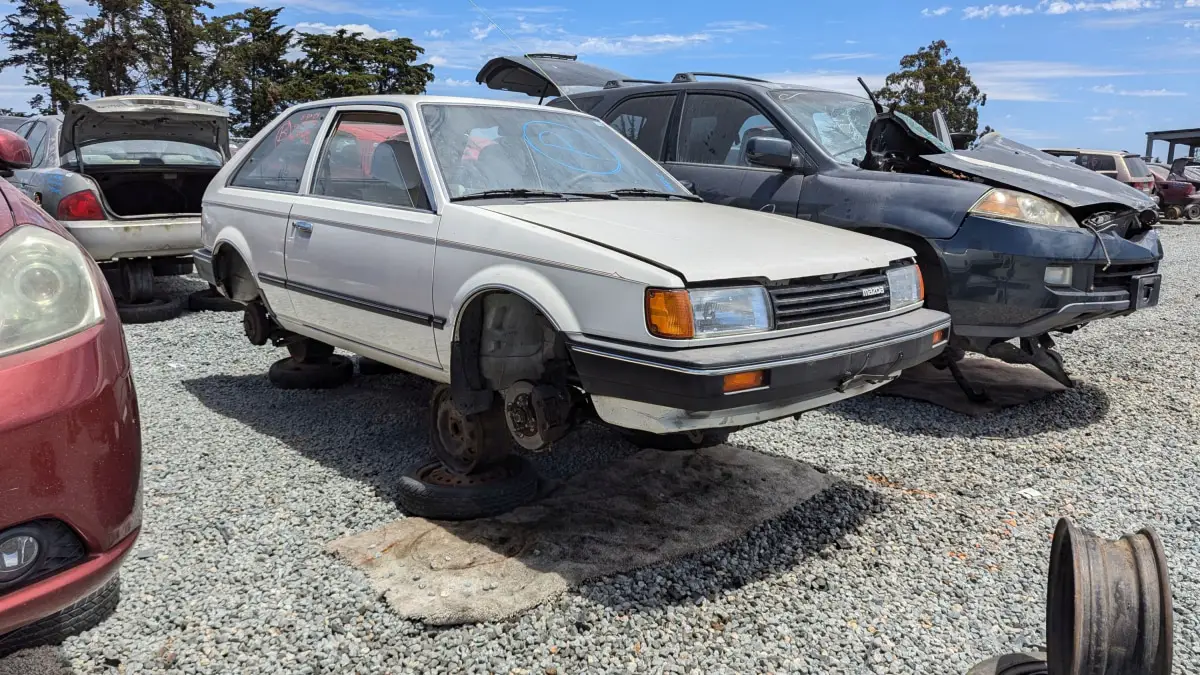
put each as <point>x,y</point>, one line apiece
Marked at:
<point>396,178</point>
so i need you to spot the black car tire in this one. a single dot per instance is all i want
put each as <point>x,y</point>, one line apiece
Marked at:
<point>686,440</point>
<point>331,373</point>
<point>513,483</point>
<point>159,308</point>
<point>1192,212</point>
<point>211,300</point>
<point>372,367</point>
<point>82,615</point>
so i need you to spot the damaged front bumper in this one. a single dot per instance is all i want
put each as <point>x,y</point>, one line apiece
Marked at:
<point>997,281</point>
<point>663,391</point>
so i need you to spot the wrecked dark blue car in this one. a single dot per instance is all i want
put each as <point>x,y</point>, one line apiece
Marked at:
<point>1015,244</point>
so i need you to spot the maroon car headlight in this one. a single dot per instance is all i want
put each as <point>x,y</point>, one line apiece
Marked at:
<point>47,291</point>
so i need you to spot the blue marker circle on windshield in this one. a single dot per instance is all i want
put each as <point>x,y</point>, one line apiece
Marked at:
<point>570,147</point>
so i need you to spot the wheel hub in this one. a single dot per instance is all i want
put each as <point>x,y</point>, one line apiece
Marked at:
<point>458,445</point>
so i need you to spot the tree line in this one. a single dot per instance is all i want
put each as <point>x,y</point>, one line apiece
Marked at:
<point>246,61</point>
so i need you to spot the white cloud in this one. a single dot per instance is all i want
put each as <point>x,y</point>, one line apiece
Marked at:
<point>1144,93</point>
<point>1028,80</point>
<point>481,32</point>
<point>436,34</point>
<point>734,26</point>
<point>451,82</point>
<point>851,42</point>
<point>940,11</point>
<point>327,7</point>
<point>988,11</point>
<point>1062,7</point>
<point>844,56</point>
<point>1112,130</point>
<point>1100,118</point>
<point>1191,24</point>
<point>369,32</point>
<point>843,81</point>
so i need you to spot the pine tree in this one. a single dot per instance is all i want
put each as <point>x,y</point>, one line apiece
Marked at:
<point>262,70</point>
<point>42,39</point>
<point>113,54</point>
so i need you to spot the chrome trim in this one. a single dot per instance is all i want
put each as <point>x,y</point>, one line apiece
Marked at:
<point>742,367</point>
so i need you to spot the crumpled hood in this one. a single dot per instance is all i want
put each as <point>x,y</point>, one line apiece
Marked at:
<point>1004,161</point>
<point>146,117</point>
<point>705,242</point>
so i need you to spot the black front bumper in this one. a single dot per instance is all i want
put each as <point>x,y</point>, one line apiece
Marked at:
<point>995,277</point>
<point>796,367</point>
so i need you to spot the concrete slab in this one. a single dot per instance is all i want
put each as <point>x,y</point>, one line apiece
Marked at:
<point>648,508</point>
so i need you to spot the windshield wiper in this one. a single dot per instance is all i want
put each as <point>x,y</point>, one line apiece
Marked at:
<point>644,192</point>
<point>509,192</point>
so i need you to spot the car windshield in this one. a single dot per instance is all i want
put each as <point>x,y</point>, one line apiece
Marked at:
<point>838,122</point>
<point>496,149</point>
<point>145,152</point>
<point>1137,168</point>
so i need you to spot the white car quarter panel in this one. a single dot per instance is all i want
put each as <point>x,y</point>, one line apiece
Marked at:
<point>582,287</point>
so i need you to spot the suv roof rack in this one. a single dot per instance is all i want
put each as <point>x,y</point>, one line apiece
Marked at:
<point>691,77</point>
<point>613,84</point>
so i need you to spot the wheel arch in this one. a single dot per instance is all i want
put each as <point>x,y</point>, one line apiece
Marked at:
<point>228,251</point>
<point>529,285</point>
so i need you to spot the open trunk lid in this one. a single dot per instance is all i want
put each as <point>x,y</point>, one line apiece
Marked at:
<point>527,74</point>
<point>146,117</point>
<point>1000,161</point>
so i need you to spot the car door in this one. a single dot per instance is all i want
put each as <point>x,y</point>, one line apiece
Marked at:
<point>258,199</point>
<point>360,243</point>
<point>709,152</point>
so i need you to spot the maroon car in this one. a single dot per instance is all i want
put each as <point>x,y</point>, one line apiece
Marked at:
<point>70,436</point>
<point>1176,196</point>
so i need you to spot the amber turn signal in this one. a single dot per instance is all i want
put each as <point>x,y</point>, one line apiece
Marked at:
<point>742,381</point>
<point>669,314</point>
<point>939,336</point>
<point>920,284</point>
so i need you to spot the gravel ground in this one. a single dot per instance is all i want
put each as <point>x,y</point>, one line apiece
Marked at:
<point>928,558</point>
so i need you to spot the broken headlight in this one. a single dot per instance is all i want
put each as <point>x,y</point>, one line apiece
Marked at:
<point>1022,207</point>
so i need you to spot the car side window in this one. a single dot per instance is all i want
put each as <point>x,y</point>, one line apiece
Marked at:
<point>277,163</point>
<point>23,130</point>
<point>37,144</point>
<point>643,120</point>
<point>1099,162</point>
<point>369,158</point>
<point>714,129</point>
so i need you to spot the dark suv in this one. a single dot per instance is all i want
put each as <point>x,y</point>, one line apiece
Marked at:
<point>1012,242</point>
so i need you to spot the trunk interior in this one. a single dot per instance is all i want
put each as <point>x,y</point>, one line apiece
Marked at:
<point>141,191</point>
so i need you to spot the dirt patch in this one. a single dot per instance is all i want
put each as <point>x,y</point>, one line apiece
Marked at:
<point>651,507</point>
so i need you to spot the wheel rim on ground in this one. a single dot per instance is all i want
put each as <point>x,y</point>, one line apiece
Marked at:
<point>1193,212</point>
<point>458,439</point>
<point>444,476</point>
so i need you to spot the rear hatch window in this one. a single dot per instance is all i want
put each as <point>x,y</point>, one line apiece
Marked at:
<point>1137,168</point>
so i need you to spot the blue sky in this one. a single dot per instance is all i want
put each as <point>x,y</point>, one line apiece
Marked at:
<point>1057,73</point>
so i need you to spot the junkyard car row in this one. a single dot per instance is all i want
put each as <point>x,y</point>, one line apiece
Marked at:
<point>545,265</point>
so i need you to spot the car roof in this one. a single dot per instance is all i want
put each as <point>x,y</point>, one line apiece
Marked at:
<point>411,99</point>
<point>737,85</point>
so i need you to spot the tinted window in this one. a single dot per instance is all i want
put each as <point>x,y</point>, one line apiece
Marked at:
<point>1137,168</point>
<point>369,158</point>
<point>37,144</point>
<point>1099,162</point>
<point>714,129</point>
<point>644,121</point>
<point>277,162</point>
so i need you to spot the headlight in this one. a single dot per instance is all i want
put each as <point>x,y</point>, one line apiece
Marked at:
<point>1023,207</point>
<point>906,286</point>
<point>46,289</point>
<point>707,312</point>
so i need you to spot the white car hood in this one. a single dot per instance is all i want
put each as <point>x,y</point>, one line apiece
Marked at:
<point>705,242</point>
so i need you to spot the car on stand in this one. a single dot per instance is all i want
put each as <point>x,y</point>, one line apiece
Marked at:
<point>544,272</point>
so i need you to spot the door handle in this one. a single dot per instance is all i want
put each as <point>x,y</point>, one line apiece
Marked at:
<point>303,226</point>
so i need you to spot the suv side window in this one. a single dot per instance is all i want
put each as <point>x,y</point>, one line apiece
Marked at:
<point>714,129</point>
<point>277,163</point>
<point>37,144</point>
<point>369,158</point>
<point>643,120</point>
<point>1099,162</point>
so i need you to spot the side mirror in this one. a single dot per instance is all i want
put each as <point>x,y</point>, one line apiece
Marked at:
<point>776,153</point>
<point>14,153</point>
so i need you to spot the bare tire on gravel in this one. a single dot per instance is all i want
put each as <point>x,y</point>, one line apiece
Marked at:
<point>159,308</point>
<point>73,620</point>
<point>430,490</point>
<point>327,374</point>
<point>211,300</point>
<point>684,440</point>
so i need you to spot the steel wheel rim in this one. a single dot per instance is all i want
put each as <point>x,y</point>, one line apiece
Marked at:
<point>457,439</point>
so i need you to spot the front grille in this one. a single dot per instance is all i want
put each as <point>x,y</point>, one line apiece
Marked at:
<point>1119,276</point>
<point>833,297</point>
